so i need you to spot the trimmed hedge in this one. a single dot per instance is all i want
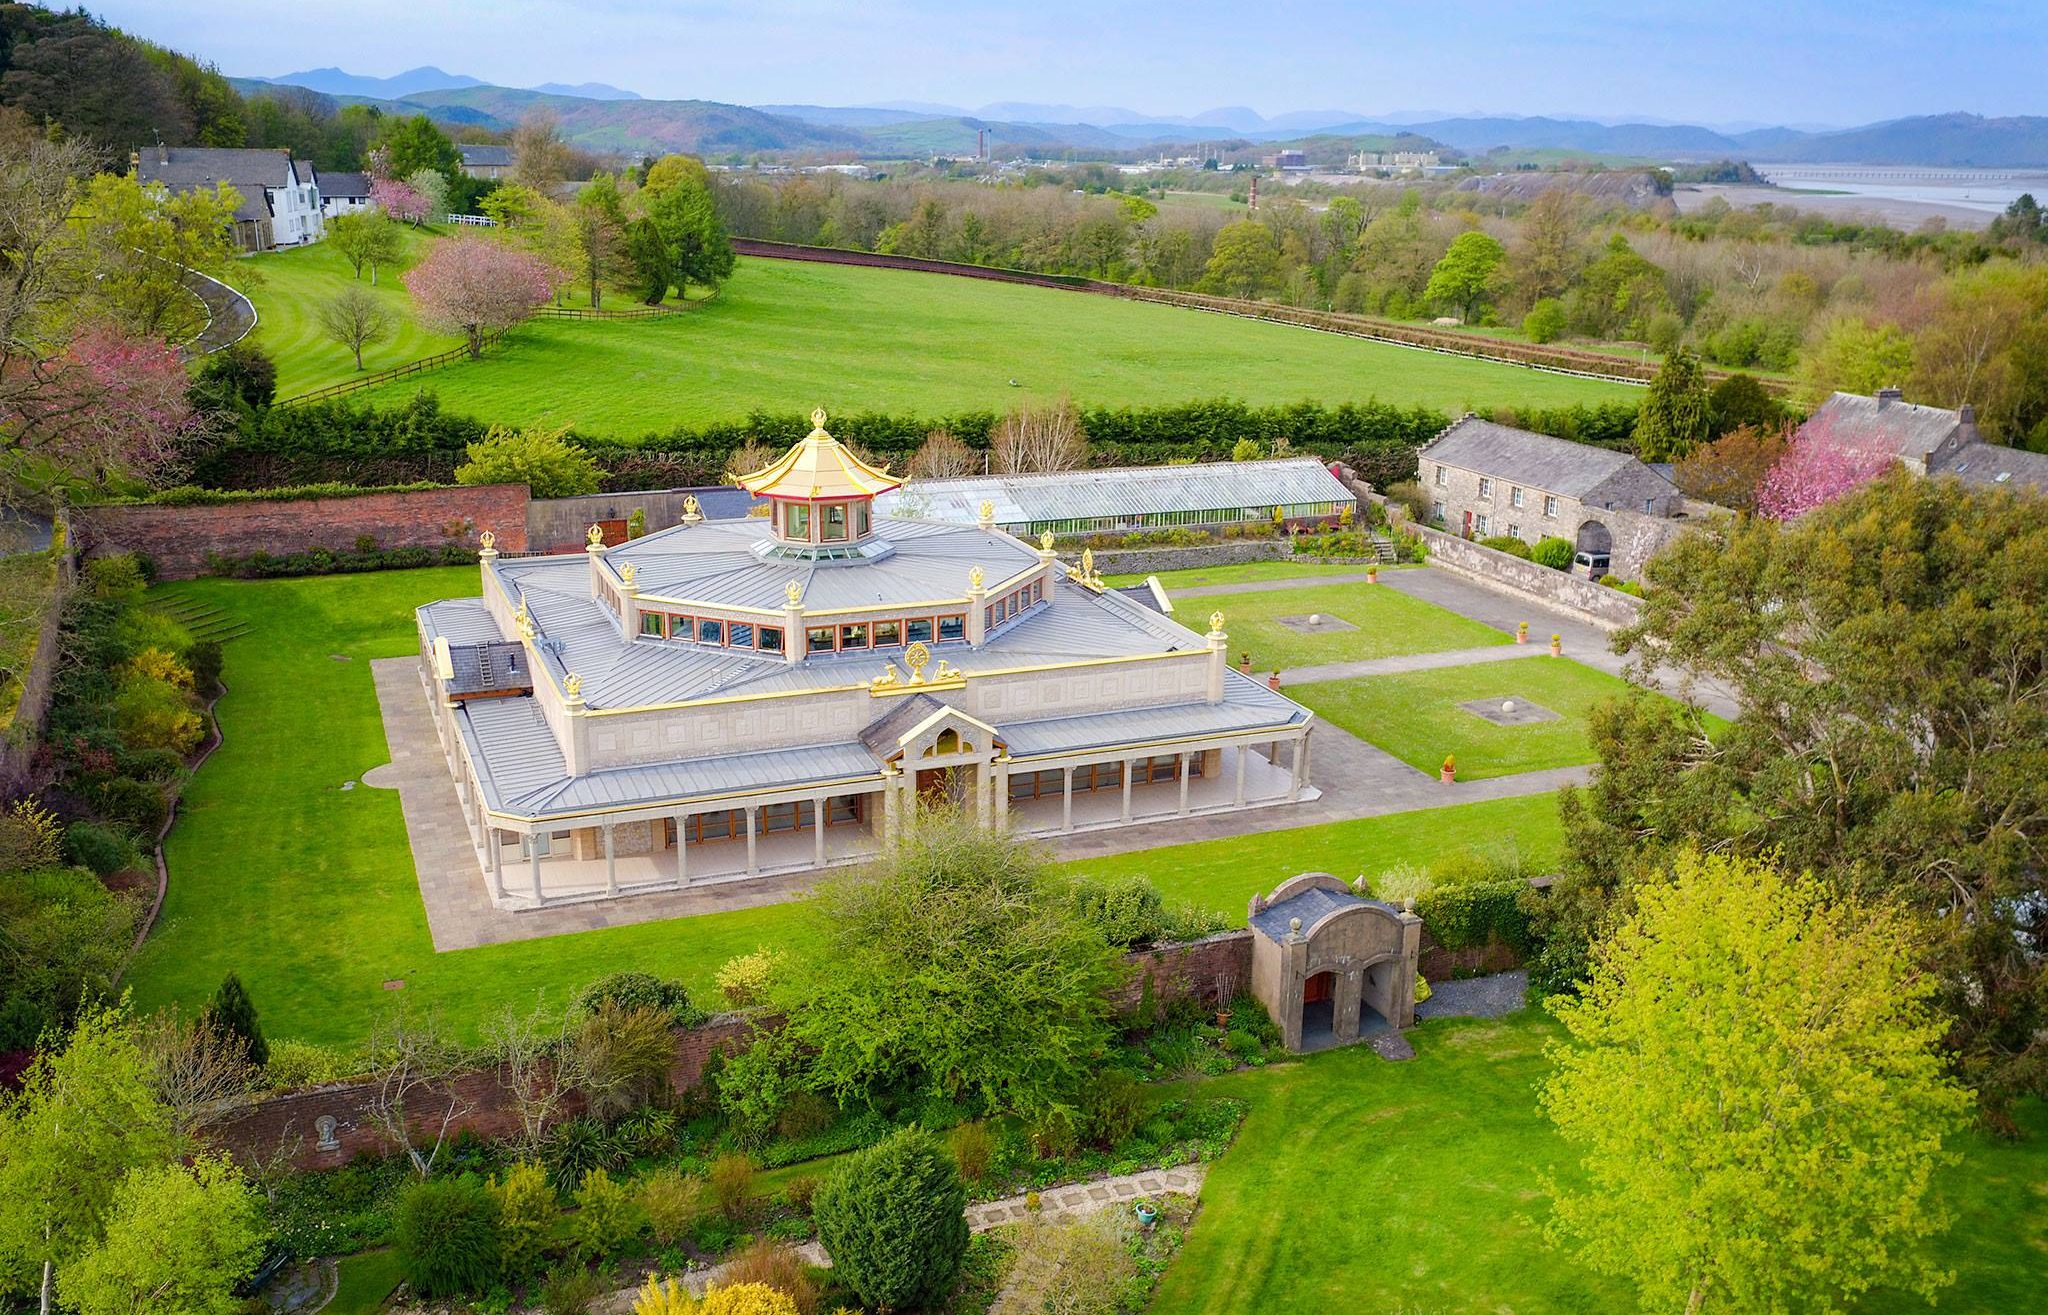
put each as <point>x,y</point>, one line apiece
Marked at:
<point>321,561</point>
<point>191,495</point>
<point>1464,916</point>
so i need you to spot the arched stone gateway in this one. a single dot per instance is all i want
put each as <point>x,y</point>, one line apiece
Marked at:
<point>1331,965</point>
<point>1594,536</point>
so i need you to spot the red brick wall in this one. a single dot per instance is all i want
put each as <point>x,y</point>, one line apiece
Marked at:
<point>178,539</point>
<point>286,1124</point>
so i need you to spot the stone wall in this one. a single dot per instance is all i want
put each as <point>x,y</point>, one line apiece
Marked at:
<point>180,539</point>
<point>559,524</point>
<point>25,728</point>
<point>1224,552</point>
<point>1212,969</point>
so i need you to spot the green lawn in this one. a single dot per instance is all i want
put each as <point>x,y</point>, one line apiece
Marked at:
<point>288,288</point>
<point>1198,576</point>
<point>1415,716</point>
<point>1386,623</point>
<point>786,336</point>
<point>366,1279</point>
<point>1359,1185</point>
<point>309,891</point>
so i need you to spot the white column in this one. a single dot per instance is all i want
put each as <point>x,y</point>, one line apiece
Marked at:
<point>753,863</point>
<point>1299,761</point>
<point>1000,805</point>
<point>818,809</point>
<point>1128,763</point>
<point>682,849</point>
<point>1067,798</point>
<point>496,843</point>
<point>533,848</point>
<point>611,861</point>
<point>1243,751</point>
<point>1184,783</point>
<point>1308,758</point>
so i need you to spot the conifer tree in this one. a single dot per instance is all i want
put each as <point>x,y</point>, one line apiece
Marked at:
<point>233,1014</point>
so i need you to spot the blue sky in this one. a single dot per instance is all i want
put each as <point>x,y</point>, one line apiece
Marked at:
<point>1792,61</point>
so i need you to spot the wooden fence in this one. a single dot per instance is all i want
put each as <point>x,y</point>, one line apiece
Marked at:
<point>424,365</point>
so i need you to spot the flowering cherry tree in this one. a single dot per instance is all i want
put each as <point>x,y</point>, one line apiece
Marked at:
<point>1816,469</point>
<point>474,287</point>
<point>114,406</point>
<point>399,199</point>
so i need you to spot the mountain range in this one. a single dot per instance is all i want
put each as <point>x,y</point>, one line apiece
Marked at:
<point>603,117</point>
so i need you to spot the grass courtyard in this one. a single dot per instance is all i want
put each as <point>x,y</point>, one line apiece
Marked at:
<point>1197,577</point>
<point>288,288</point>
<point>1416,715</point>
<point>785,336</point>
<point>1359,1185</point>
<point>308,890</point>
<point>1382,623</point>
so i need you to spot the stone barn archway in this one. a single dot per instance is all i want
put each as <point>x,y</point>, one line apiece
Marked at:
<point>1594,536</point>
<point>1316,939</point>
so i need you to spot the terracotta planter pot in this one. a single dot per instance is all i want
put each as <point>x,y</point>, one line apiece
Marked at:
<point>1448,775</point>
<point>1372,575</point>
<point>1556,648</point>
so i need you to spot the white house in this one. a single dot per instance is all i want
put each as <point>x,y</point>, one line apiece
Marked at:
<point>280,196</point>
<point>343,194</point>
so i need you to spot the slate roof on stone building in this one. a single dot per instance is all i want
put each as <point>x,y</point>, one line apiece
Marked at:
<point>1310,906</point>
<point>485,156</point>
<point>1999,467</point>
<point>196,168</point>
<point>1883,424</point>
<point>334,187</point>
<point>1580,471</point>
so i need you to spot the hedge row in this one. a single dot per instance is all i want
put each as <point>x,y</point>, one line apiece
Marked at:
<point>1464,916</point>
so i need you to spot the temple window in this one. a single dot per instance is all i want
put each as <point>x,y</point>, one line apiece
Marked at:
<point>918,631</point>
<point>650,624</point>
<point>709,631</point>
<point>835,523</point>
<point>768,639</point>
<point>739,634</point>
<point>855,636</point>
<point>952,627</point>
<point>888,634</point>
<point>819,639</point>
<point>799,520</point>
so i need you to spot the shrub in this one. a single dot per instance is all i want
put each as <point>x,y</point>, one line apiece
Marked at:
<point>155,664</point>
<point>1463,916</point>
<point>239,373</point>
<point>673,1202</point>
<point>756,1086</point>
<point>1242,1043</point>
<point>1130,911</point>
<point>581,1145</point>
<point>31,837</point>
<point>668,1297</point>
<point>1553,552</point>
<point>205,658</point>
<point>801,1190</point>
<point>1508,544</point>
<point>153,714</point>
<point>806,1115</point>
<point>1111,1108</point>
<point>744,979</point>
<point>542,459</point>
<point>973,1150</point>
<point>572,1290</point>
<point>446,1233</point>
<point>622,1057</point>
<point>632,990</point>
<point>776,1266</point>
<point>651,1131</point>
<point>605,1219</point>
<point>303,1064</point>
<point>119,575</point>
<point>232,1013</point>
<point>732,1185</point>
<point>1411,498</point>
<point>527,1218</point>
<point>1545,321</point>
<point>893,1219</point>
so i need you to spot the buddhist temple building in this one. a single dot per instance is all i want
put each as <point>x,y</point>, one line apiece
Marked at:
<point>718,701</point>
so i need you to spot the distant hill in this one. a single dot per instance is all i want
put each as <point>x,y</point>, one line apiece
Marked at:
<point>337,82</point>
<point>846,116</point>
<point>640,126</point>
<point>1656,141</point>
<point>1936,139</point>
<point>589,91</point>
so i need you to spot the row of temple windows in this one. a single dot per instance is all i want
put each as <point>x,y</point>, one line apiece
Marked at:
<point>854,635</point>
<point>1100,776</point>
<point>822,523</point>
<point>731,823</point>
<point>1002,609</point>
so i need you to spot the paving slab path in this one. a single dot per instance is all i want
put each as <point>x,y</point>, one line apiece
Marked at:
<point>1089,1197</point>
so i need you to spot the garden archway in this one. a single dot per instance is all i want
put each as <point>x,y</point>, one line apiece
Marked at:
<point>1316,939</point>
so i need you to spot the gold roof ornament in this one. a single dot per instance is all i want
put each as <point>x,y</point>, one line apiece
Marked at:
<point>794,592</point>
<point>628,573</point>
<point>1215,623</point>
<point>488,540</point>
<point>886,679</point>
<point>818,468</point>
<point>988,513</point>
<point>1045,542</point>
<point>595,534</point>
<point>693,510</point>
<point>523,618</point>
<point>572,685</point>
<point>974,578</point>
<point>1088,577</point>
<point>917,657</point>
<point>946,671</point>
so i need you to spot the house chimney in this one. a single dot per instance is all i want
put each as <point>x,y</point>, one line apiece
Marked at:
<point>1886,396</point>
<point>1966,422</point>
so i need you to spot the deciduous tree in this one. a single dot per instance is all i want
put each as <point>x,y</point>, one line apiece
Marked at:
<point>141,239</point>
<point>1728,471</point>
<point>942,456</point>
<point>356,319</point>
<point>1244,262</point>
<point>542,459</point>
<point>400,200</point>
<point>1753,1085</point>
<point>177,1239</point>
<point>1818,466</point>
<point>366,238</point>
<point>1038,439</point>
<point>600,233</point>
<point>476,287</point>
<point>1465,277</point>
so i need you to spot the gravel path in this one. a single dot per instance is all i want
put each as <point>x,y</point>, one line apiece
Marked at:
<point>1476,997</point>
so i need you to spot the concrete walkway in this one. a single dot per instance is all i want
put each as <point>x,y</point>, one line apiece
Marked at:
<point>1089,1197</point>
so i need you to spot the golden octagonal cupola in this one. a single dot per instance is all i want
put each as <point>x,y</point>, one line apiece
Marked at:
<point>821,501</point>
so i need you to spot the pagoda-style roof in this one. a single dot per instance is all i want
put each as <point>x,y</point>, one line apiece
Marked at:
<point>816,469</point>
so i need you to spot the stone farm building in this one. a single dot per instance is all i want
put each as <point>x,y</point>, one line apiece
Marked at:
<point>281,203</point>
<point>722,699</point>
<point>1295,491</point>
<point>482,160</point>
<point>1485,479</point>
<point>1927,440</point>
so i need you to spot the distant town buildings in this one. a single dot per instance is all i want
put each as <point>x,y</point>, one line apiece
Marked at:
<point>280,197</point>
<point>1398,161</point>
<point>343,194</point>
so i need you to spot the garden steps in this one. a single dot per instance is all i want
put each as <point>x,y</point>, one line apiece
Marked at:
<point>203,620</point>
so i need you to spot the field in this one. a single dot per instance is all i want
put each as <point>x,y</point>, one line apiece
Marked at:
<point>1359,1185</point>
<point>308,890</point>
<point>1194,577</point>
<point>1386,622</point>
<point>1415,715</point>
<point>786,336</point>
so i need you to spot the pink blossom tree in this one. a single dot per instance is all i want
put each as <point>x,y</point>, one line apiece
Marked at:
<point>114,406</point>
<point>1817,468</point>
<point>474,286</point>
<point>399,199</point>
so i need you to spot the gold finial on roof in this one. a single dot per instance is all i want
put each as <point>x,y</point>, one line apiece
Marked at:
<point>917,657</point>
<point>1087,561</point>
<point>974,577</point>
<point>693,510</point>
<point>595,534</point>
<point>1045,542</point>
<point>628,573</point>
<point>1215,623</point>
<point>488,540</point>
<point>572,685</point>
<point>988,513</point>
<point>818,419</point>
<point>794,591</point>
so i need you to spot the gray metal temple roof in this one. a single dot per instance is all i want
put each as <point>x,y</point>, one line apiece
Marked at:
<point>1538,461</point>
<point>1247,705</point>
<point>460,621</point>
<point>1122,493</point>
